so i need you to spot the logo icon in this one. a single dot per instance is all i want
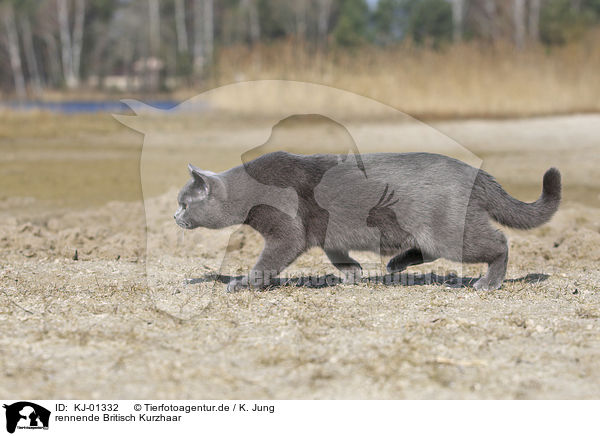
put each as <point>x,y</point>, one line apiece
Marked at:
<point>26,415</point>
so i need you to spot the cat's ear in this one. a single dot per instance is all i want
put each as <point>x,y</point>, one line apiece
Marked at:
<point>192,169</point>
<point>201,177</point>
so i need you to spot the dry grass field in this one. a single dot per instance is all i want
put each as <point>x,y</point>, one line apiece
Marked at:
<point>460,80</point>
<point>95,328</point>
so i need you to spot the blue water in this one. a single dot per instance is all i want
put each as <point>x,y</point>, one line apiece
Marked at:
<point>75,107</point>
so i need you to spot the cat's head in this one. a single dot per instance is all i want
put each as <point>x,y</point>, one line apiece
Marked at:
<point>202,201</point>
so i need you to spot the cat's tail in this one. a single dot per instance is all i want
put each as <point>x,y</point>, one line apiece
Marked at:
<point>513,213</point>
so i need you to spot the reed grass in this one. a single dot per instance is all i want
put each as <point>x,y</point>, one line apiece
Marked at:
<point>457,81</point>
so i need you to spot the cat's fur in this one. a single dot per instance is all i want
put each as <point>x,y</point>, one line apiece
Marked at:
<point>416,207</point>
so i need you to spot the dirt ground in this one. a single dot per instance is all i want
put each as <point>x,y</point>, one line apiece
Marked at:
<point>96,328</point>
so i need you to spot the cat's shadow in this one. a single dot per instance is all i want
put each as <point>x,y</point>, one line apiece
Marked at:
<point>405,279</point>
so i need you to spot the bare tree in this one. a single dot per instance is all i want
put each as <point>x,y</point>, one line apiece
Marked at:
<point>491,12</point>
<point>203,35</point>
<point>53,66</point>
<point>99,59</point>
<point>71,42</point>
<point>154,26</point>
<point>250,8</point>
<point>300,12</point>
<point>323,14</point>
<point>125,39</point>
<point>199,60</point>
<point>484,15</point>
<point>519,22</point>
<point>180,26</point>
<point>534,19</point>
<point>208,30</point>
<point>78,37</point>
<point>45,25</point>
<point>458,14</point>
<point>65,42</point>
<point>12,41</point>
<point>32,65</point>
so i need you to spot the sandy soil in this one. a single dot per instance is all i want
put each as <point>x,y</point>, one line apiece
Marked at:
<point>95,328</point>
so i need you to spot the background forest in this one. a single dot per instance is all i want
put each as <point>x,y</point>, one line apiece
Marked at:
<point>460,57</point>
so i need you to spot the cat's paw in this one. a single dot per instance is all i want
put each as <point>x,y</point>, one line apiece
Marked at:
<point>484,284</point>
<point>237,285</point>
<point>352,277</point>
<point>481,284</point>
<point>394,267</point>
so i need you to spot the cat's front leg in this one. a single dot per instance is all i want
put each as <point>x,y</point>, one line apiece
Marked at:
<point>236,285</point>
<point>255,279</point>
<point>349,267</point>
<point>275,257</point>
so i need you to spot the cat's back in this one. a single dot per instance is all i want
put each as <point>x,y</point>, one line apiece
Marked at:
<point>423,170</point>
<point>416,162</point>
<point>285,169</point>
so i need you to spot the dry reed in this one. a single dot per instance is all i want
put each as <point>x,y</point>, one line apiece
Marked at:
<point>461,80</point>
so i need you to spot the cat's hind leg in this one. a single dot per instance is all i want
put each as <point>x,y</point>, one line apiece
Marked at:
<point>407,258</point>
<point>349,267</point>
<point>487,245</point>
<point>496,271</point>
<point>495,274</point>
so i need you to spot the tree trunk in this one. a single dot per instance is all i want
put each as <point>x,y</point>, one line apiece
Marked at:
<point>77,41</point>
<point>491,13</point>
<point>54,71</point>
<point>154,27</point>
<point>71,44</point>
<point>208,30</point>
<point>199,59</point>
<point>99,60</point>
<point>250,11</point>
<point>253,21</point>
<point>180,27</point>
<point>458,13</point>
<point>300,10</point>
<point>14,53</point>
<point>324,11</point>
<point>32,65</point>
<point>519,23</point>
<point>534,19</point>
<point>203,35</point>
<point>65,43</point>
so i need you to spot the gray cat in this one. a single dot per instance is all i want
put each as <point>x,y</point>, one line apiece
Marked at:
<point>415,207</point>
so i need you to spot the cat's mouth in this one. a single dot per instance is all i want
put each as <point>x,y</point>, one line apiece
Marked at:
<point>184,225</point>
